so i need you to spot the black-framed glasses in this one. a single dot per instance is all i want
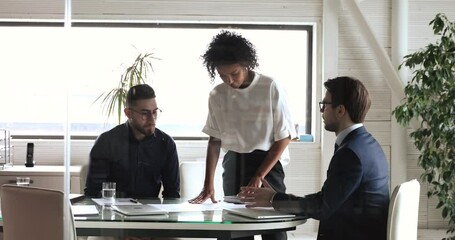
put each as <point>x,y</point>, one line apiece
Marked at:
<point>322,105</point>
<point>147,114</point>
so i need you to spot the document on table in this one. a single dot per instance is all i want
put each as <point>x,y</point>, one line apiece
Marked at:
<point>232,199</point>
<point>118,201</point>
<point>84,210</point>
<point>189,207</point>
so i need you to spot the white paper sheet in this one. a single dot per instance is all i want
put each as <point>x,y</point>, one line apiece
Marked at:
<point>84,210</point>
<point>189,207</point>
<point>118,201</point>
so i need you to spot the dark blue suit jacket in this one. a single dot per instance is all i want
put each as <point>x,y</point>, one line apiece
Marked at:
<point>353,202</point>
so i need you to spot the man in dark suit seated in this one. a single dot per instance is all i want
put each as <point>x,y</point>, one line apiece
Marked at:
<point>353,202</point>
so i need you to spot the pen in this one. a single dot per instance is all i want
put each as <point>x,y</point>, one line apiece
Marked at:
<point>133,200</point>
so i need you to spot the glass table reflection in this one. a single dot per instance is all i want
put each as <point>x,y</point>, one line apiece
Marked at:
<point>193,222</point>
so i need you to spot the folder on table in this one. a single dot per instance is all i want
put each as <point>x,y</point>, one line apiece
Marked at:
<point>137,210</point>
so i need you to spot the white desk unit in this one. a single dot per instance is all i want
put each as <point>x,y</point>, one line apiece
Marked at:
<point>43,176</point>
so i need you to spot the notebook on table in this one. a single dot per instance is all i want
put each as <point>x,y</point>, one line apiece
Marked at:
<point>258,213</point>
<point>138,210</point>
<point>78,210</point>
<point>75,197</point>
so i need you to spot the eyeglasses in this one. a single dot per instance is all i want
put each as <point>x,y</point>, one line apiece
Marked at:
<point>147,114</point>
<point>322,105</point>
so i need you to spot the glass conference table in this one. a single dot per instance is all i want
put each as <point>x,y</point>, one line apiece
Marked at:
<point>191,221</point>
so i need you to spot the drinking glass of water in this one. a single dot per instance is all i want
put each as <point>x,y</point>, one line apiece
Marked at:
<point>108,193</point>
<point>22,181</point>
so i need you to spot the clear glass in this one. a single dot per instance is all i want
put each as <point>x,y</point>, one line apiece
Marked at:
<point>23,181</point>
<point>108,193</point>
<point>6,149</point>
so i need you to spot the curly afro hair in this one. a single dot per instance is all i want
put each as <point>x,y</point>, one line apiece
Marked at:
<point>229,48</point>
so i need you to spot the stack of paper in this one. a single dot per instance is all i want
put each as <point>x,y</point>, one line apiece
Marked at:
<point>232,199</point>
<point>84,210</point>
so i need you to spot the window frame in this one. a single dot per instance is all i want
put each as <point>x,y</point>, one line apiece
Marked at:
<point>308,27</point>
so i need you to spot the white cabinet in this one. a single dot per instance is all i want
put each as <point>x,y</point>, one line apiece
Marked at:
<point>43,176</point>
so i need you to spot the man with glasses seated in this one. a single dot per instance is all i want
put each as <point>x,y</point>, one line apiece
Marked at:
<point>354,199</point>
<point>136,155</point>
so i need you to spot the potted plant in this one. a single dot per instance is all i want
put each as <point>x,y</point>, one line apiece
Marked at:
<point>430,99</point>
<point>113,101</point>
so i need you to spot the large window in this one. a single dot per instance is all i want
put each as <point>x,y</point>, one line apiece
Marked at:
<point>48,72</point>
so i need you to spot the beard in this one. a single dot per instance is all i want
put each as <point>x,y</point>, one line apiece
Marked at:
<point>147,130</point>
<point>331,127</point>
<point>150,130</point>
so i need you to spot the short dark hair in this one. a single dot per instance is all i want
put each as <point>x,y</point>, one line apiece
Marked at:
<point>351,93</point>
<point>229,48</point>
<point>139,92</point>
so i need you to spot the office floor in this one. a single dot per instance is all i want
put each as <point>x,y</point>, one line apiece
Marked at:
<point>422,234</point>
<point>299,236</point>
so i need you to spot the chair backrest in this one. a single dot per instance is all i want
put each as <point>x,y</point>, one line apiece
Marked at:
<point>33,213</point>
<point>192,176</point>
<point>404,211</point>
<point>83,176</point>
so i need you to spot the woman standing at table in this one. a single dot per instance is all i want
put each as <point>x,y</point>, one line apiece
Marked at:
<point>248,116</point>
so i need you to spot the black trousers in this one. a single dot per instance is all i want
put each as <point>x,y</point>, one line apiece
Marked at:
<point>239,168</point>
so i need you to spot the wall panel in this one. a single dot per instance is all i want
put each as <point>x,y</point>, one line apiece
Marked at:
<point>32,9</point>
<point>356,59</point>
<point>196,10</point>
<point>168,10</point>
<point>421,12</point>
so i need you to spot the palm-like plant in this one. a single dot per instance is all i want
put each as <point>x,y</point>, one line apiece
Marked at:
<point>113,101</point>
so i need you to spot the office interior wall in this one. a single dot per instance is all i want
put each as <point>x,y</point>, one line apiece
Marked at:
<point>212,10</point>
<point>354,59</point>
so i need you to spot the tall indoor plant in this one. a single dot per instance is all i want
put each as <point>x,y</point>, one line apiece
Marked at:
<point>113,101</point>
<point>430,98</point>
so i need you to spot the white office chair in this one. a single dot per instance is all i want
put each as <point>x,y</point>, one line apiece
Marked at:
<point>192,176</point>
<point>404,211</point>
<point>83,176</point>
<point>33,213</point>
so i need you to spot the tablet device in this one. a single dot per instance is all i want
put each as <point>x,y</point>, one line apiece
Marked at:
<point>138,210</point>
<point>259,213</point>
<point>76,197</point>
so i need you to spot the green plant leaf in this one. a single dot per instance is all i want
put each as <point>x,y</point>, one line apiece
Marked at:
<point>430,98</point>
<point>113,101</point>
